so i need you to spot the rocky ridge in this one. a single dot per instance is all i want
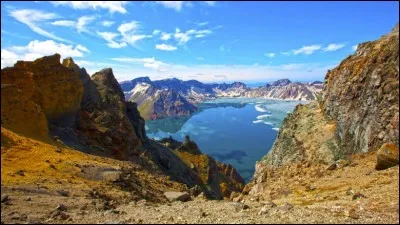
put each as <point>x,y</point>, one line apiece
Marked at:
<point>102,124</point>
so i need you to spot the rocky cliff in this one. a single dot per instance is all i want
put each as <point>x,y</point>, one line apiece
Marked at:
<point>44,91</point>
<point>103,119</point>
<point>358,112</point>
<point>95,119</point>
<point>362,95</point>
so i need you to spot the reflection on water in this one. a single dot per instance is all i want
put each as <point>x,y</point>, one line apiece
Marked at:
<point>232,155</point>
<point>168,125</point>
<point>235,131</point>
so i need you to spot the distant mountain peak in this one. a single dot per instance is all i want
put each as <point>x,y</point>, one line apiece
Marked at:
<point>281,82</point>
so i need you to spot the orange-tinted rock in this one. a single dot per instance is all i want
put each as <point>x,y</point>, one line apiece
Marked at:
<point>39,91</point>
<point>221,178</point>
<point>387,156</point>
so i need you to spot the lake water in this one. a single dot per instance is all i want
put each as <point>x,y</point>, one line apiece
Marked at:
<point>238,131</point>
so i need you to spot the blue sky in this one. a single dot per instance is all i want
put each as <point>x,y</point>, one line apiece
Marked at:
<point>208,41</point>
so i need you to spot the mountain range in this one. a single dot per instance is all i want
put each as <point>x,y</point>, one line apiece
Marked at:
<point>74,150</point>
<point>174,97</point>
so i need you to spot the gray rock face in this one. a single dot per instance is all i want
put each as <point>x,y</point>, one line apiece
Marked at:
<point>305,134</point>
<point>136,119</point>
<point>104,114</point>
<point>362,95</point>
<point>177,196</point>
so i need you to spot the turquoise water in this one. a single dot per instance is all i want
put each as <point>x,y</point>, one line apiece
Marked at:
<point>238,131</point>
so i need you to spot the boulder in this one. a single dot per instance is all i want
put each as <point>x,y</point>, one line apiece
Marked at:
<point>387,156</point>
<point>177,196</point>
<point>111,176</point>
<point>238,206</point>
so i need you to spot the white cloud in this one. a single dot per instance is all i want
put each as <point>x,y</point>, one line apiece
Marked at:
<point>165,47</point>
<point>151,63</point>
<point>80,24</point>
<point>32,18</point>
<point>8,58</point>
<point>176,5</point>
<point>307,50</point>
<point>129,32</point>
<point>109,37</point>
<point>354,47</point>
<point>155,32</point>
<point>36,49</point>
<point>165,36</point>
<point>270,55</point>
<point>200,58</point>
<point>111,6</point>
<point>200,24</point>
<point>64,23</point>
<point>183,37</point>
<point>333,47</point>
<point>107,23</point>
<point>128,27</point>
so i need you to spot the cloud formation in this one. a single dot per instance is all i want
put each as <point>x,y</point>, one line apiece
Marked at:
<point>36,49</point>
<point>111,6</point>
<point>307,50</point>
<point>270,55</point>
<point>32,18</point>
<point>165,47</point>
<point>333,47</point>
<point>79,25</point>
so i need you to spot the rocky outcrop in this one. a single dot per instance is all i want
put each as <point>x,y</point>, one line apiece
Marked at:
<point>387,156</point>
<point>44,91</point>
<point>217,179</point>
<point>362,95</point>
<point>358,112</point>
<point>305,135</point>
<point>103,119</point>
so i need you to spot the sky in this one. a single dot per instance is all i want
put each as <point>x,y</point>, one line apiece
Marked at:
<point>209,41</point>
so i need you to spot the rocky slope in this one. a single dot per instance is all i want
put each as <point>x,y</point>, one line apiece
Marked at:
<point>305,135</point>
<point>357,113</point>
<point>154,103</point>
<point>219,179</point>
<point>102,124</point>
<point>298,194</point>
<point>362,95</point>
